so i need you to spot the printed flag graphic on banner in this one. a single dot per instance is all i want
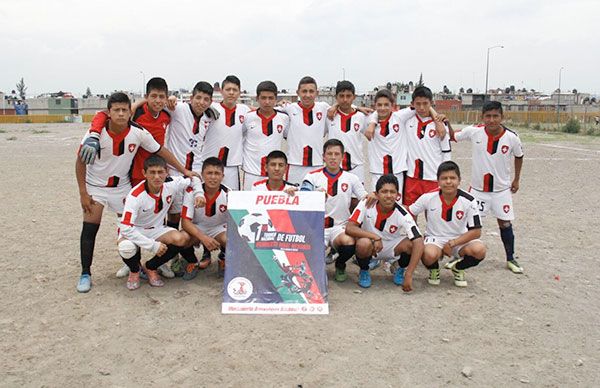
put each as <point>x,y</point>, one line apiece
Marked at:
<point>275,254</point>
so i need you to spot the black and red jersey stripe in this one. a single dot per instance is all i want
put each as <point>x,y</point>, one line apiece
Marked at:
<point>307,156</point>
<point>492,143</point>
<point>385,127</point>
<point>347,162</point>
<point>307,114</point>
<point>488,183</point>
<point>419,169</point>
<point>223,154</point>
<point>346,121</point>
<point>267,123</point>
<point>421,127</point>
<point>113,181</point>
<point>263,166</point>
<point>189,160</point>
<point>329,222</point>
<point>388,165</point>
<point>447,209</point>
<point>229,115</point>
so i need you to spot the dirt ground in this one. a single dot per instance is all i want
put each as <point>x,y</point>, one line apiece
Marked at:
<point>541,328</point>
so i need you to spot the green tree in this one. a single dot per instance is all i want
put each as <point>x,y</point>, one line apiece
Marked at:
<point>22,89</point>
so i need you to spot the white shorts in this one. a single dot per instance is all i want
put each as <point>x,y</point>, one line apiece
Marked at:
<point>177,203</point>
<point>332,233</point>
<point>212,231</point>
<point>250,179</point>
<point>111,197</point>
<point>296,174</point>
<point>499,203</point>
<point>232,177</point>
<point>152,233</point>
<point>441,241</point>
<point>387,253</point>
<point>400,176</point>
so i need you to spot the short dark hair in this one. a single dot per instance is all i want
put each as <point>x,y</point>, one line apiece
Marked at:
<point>307,80</point>
<point>118,97</point>
<point>333,143</point>
<point>232,79</point>
<point>157,83</point>
<point>343,86</point>
<point>266,86</point>
<point>385,94</point>
<point>155,161</point>
<point>422,91</point>
<point>213,161</point>
<point>277,154</point>
<point>448,166</point>
<point>203,87</point>
<point>387,179</point>
<point>492,105</point>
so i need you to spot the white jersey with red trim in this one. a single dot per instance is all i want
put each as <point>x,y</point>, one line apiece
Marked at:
<point>185,137</point>
<point>213,214</point>
<point>263,185</point>
<point>387,149</point>
<point>224,138</point>
<point>426,151</point>
<point>492,157</point>
<point>308,126</point>
<point>146,210</point>
<point>447,220</point>
<point>261,136</point>
<point>340,188</point>
<point>390,226</point>
<point>113,162</point>
<point>349,129</point>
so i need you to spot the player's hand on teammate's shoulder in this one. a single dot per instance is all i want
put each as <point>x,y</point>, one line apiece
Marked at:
<point>365,110</point>
<point>190,174</point>
<point>89,149</point>
<point>371,199</point>
<point>284,102</point>
<point>199,201</point>
<point>370,131</point>
<point>212,113</point>
<point>171,102</point>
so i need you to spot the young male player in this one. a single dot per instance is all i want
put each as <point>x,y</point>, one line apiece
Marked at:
<point>142,225</point>
<point>493,148</point>
<point>276,167</point>
<point>106,181</point>
<point>388,232</point>
<point>339,186</point>
<point>453,226</point>
<point>224,138</point>
<point>348,125</point>
<point>206,226</point>
<point>264,130</point>
<point>308,120</point>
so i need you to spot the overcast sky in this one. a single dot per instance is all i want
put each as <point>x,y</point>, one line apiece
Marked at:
<point>72,44</point>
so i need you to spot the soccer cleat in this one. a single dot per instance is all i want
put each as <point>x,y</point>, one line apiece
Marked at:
<point>340,275</point>
<point>452,261</point>
<point>331,256</point>
<point>399,276</point>
<point>133,281</point>
<point>459,276</point>
<point>191,271</point>
<point>123,271</point>
<point>85,283</point>
<point>221,268</point>
<point>434,277</point>
<point>166,271</point>
<point>364,278</point>
<point>374,263</point>
<point>204,263</point>
<point>514,266</point>
<point>154,278</point>
<point>178,266</point>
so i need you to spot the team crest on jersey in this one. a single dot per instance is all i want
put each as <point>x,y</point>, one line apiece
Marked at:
<point>169,198</point>
<point>242,119</point>
<point>344,187</point>
<point>396,127</point>
<point>319,115</point>
<point>460,214</point>
<point>393,229</point>
<point>131,147</point>
<point>506,208</point>
<point>356,126</point>
<point>222,208</point>
<point>504,149</point>
<point>432,133</point>
<point>279,128</point>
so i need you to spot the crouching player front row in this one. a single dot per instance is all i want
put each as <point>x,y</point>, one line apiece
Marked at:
<point>142,225</point>
<point>386,231</point>
<point>453,226</point>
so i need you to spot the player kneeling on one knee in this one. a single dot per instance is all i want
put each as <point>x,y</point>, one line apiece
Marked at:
<point>453,226</point>
<point>386,232</point>
<point>142,225</point>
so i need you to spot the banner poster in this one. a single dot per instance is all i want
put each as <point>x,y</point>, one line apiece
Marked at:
<point>275,254</point>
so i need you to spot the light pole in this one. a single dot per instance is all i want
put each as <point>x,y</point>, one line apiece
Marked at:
<point>558,100</point>
<point>487,70</point>
<point>143,82</point>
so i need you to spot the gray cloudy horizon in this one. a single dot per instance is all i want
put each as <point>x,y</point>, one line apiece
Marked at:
<point>71,45</point>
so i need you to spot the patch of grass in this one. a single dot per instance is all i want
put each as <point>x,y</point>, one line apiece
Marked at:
<point>40,131</point>
<point>11,138</point>
<point>2,130</point>
<point>572,126</point>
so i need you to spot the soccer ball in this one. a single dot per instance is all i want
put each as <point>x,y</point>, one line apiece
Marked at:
<point>253,224</point>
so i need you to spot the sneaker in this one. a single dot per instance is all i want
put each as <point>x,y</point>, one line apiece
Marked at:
<point>221,268</point>
<point>514,266</point>
<point>154,278</point>
<point>364,278</point>
<point>340,275</point>
<point>374,263</point>
<point>133,281</point>
<point>204,263</point>
<point>85,283</point>
<point>123,271</point>
<point>166,271</point>
<point>332,256</point>
<point>191,271</point>
<point>451,263</point>
<point>178,266</point>
<point>399,276</point>
<point>459,276</point>
<point>434,277</point>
